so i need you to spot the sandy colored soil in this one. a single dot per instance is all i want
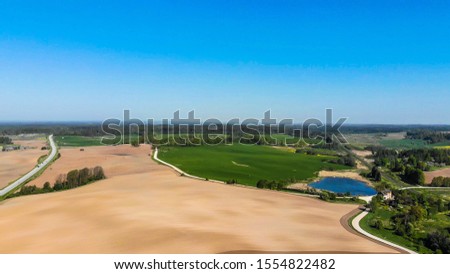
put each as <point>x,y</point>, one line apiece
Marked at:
<point>14,164</point>
<point>344,174</point>
<point>300,186</point>
<point>429,175</point>
<point>362,153</point>
<point>115,160</point>
<point>153,210</point>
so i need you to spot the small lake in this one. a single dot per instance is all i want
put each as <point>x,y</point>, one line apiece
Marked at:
<point>343,185</point>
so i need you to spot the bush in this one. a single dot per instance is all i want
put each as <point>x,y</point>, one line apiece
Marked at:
<point>324,196</point>
<point>438,241</point>
<point>261,184</point>
<point>134,143</point>
<point>376,223</point>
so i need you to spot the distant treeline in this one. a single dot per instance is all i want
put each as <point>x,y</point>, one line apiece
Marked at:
<point>417,157</point>
<point>77,129</point>
<point>73,179</point>
<point>410,164</point>
<point>430,136</point>
<point>95,128</point>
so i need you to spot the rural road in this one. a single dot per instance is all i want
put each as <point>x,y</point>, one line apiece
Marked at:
<point>35,170</point>
<point>355,224</point>
<point>424,187</point>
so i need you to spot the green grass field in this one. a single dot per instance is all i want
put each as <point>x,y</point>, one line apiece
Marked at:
<point>83,141</point>
<point>246,164</point>
<point>404,144</point>
<point>290,140</point>
<point>78,141</point>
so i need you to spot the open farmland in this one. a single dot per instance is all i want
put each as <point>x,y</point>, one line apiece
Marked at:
<point>247,164</point>
<point>111,158</point>
<point>16,163</point>
<point>153,210</point>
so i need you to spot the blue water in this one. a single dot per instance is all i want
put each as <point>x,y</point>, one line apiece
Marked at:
<point>343,185</point>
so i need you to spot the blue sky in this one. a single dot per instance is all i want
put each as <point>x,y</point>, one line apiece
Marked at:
<point>371,61</point>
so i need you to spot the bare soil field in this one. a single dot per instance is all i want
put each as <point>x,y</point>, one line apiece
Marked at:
<point>115,160</point>
<point>362,153</point>
<point>18,162</point>
<point>429,175</point>
<point>148,208</point>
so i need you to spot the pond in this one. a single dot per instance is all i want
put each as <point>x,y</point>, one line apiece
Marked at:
<point>344,185</point>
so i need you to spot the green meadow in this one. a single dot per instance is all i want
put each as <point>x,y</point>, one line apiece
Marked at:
<point>246,163</point>
<point>84,141</point>
<point>77,141</point>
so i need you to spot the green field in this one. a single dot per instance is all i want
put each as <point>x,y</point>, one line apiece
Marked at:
<point>83,141</point>
<point>78,141</point>
<point>404,144</point>
<point>290,140</point>
<point>246,163</point>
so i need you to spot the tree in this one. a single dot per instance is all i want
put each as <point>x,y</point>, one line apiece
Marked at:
<point>84,176</point>
<point>376,223</point>
<point>73,178</point>
<point>135,143</point>
<point>47,187</point>
<point>98,173</point>
<point>261,184</point>
<point>273,185</point>
<point>375,203</point>
<point>376,174</point>
<point>414,176</point>
<point>438,241</point>
<point>58,186</point>
<point>324,196</point>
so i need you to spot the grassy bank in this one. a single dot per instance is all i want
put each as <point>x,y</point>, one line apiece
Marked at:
<point>389,234</point>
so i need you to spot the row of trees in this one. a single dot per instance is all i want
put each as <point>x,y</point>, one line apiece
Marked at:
<point>79,177</point>
<point>430,136</point>
<point>73,179</point>
<point>271,185</point>
<point>419,158</point>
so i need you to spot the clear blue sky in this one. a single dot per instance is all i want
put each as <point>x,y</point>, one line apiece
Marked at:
<point>371,61</point>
